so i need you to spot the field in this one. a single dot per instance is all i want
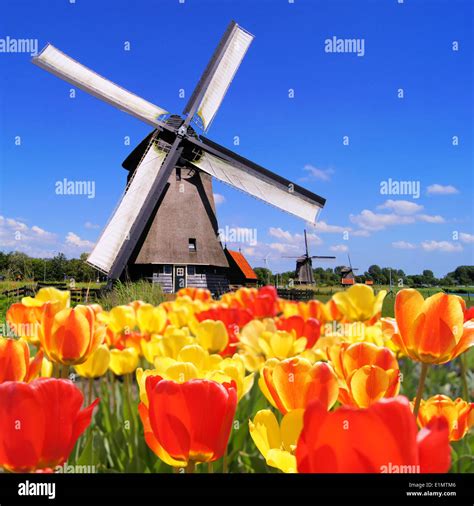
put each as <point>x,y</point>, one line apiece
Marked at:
<point>115,440</point>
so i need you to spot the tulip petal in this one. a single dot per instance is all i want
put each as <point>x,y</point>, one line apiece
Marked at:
<point>434,450</point>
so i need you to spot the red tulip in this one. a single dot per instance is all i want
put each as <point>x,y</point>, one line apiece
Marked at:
<point>190,421</point>
<point>310,328</point>
<point>380,439</point>
<point>469,314</point>
<point>40,423</point>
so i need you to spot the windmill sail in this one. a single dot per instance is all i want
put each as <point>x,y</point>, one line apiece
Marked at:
<point>212,87</point>
<point>63,66</point>
<point>257,181</point>
<point>118,229</point>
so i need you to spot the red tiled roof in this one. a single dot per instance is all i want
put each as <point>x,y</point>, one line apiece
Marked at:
<point>347,281</point>
<point>243,265</point>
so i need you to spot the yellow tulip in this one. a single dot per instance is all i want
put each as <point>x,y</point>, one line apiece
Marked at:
<point>151,319</point>
<point>260,341</point>
<point>277,442</point>
<point>233,369</point>
<point>96,365</point>
<point>281,344</point>
<point>193,361</point>
<point>46,368</point>
<point>49,294</point>
<point>120,319</point>
<point>212,335</point>
<point>123,361</point>
<point>167,345</point>
<point>358,303</point>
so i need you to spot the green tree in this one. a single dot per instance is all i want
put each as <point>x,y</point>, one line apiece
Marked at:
<point>264,275</point>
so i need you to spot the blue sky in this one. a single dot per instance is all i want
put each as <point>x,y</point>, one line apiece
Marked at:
<point>407,46</point>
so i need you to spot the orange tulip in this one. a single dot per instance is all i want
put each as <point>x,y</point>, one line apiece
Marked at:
<point>190,422</point>
<point>71,335</point>
<point>195,294</point>
<point>261,303</point>
<point>458,413</point>
<point>367,373</point>
<point>379,439</point>
<point>24,318</point>
<point>15,362</point>
<point>432,331</point>
<point>294,382</point>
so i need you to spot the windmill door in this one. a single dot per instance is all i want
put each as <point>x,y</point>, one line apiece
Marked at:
<point>179,277</point>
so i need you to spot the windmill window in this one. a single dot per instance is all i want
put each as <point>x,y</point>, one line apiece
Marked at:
<point>167,269</point>
<point>178,173</point>
<point>191,270</point>
<point>192,244</point>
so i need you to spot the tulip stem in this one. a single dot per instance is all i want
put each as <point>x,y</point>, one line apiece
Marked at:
<point>190,467</point>
<point>91,388</point>
<point>465,388</point>
<point>224,462</point>
<point>64,371</point>
<point>112,389</point>
<point>419,392</point>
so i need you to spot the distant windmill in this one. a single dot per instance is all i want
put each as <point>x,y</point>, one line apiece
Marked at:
<point>165,225</point>
<point>347,273</point>
<point>304,265</point>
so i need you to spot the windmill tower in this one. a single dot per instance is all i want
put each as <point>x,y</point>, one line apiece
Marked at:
<point>304,265</point>
<point>165,225</point>
<point>347,273</point>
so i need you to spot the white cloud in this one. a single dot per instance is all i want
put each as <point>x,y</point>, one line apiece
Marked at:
<point>403,245</point>
<point>324,228</point>
<point>219,199</point>
<point>312,239</point>
<point>371,221</point>
<point>285,248</point>
<point>75,240</point>
<point>467,238</point>
<point>401,206</point>
<point>279,233</point>
<point>439,189</point>
<point>339,248</point>
<point>431,218</point>
<point>17,225</point>
<point>91,226</point>
<point>443,246</point>
<point>318,174</point>
<point>295,239</point>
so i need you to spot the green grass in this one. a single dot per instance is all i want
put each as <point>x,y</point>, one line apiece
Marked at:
<point>123,293</point>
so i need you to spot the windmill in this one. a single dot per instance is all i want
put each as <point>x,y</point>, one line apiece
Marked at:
<point>165,224</point>
<point>347,273</point>
<point>304,265</point>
